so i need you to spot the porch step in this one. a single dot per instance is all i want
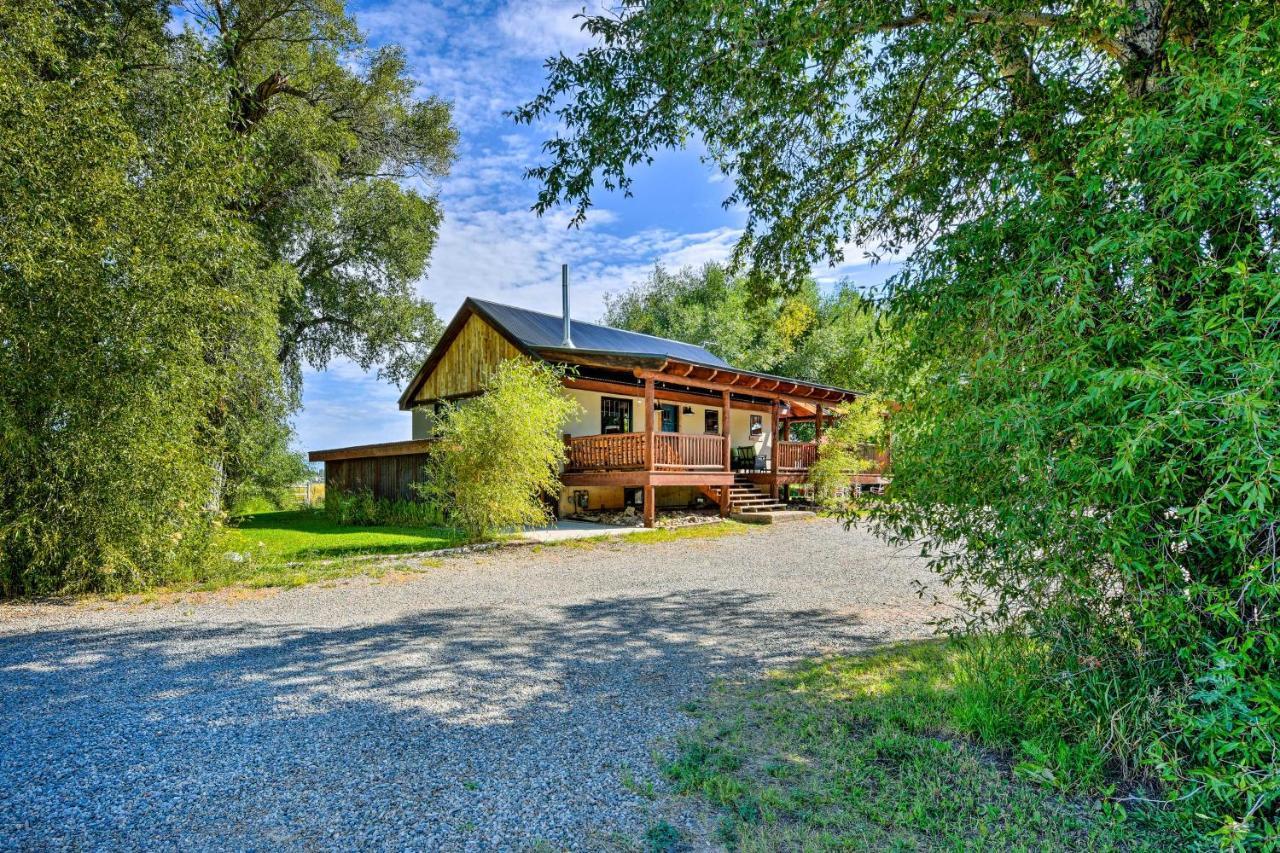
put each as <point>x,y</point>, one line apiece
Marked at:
<point>772,517</point>
<point>747,498</point>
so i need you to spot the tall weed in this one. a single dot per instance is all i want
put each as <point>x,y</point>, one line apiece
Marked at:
<point>362,509</point>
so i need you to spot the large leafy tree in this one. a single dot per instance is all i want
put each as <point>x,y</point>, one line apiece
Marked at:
<point>823,337</point>
<point>710,307</point>
<point>1089,189</point>
<point>347,159</point>
<point>197,201</point>
<point>133,301</point>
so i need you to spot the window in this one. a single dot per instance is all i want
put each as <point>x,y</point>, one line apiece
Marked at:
<point>757,425</point>
<point>711,421</point>
<point>670,417</point>
<point>615,414</point>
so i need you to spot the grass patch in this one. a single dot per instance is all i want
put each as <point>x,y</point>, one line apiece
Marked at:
<point>296,547</point>
<point>298,535</point>
<point>864,752</point>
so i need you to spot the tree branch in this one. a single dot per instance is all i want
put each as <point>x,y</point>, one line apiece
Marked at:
<point>1030,20</point>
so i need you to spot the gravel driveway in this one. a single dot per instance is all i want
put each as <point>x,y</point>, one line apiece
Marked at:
<point>508,700</point>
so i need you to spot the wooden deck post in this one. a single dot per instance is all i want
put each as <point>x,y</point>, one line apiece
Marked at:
<point>648,424</point>
<point>650,503</point>
<point>773,449</point>
<point>724,427</point>
<point>817,433</point>
<point>724,501</point>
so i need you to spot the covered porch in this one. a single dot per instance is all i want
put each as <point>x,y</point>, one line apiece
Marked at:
<point>680,424</point>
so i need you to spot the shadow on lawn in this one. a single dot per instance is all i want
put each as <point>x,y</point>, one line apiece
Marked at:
<point>250,735</point>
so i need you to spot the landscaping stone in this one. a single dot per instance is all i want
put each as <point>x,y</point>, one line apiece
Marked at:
<point>629,517</point>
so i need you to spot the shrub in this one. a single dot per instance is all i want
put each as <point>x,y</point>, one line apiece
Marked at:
<point>362,509</point>
<point>1093,462</point>
<point>498,454</point>
<point>858,427</point>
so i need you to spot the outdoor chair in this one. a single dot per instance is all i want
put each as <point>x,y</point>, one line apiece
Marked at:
<point>744,458</point>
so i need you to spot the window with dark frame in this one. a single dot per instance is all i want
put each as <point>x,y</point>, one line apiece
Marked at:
<point>615,414</point>
<point>757,425</point>
<point>711,421</point>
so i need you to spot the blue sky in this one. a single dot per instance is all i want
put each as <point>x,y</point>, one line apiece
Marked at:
<point>486,58</point>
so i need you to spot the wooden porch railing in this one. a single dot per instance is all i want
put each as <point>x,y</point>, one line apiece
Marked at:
<point>796,455</point>
<point>878,457</point>
<point>624,451</point>
<point>688,452</point>
<point>617,451</point>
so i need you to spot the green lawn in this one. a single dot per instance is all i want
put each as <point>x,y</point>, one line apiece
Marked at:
<point>266,543</point>
<point>860,753</point>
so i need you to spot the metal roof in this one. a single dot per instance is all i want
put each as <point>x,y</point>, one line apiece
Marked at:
<point>537,330</point>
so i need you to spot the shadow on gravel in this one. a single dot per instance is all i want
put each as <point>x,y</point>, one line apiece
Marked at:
<point>453,727</point>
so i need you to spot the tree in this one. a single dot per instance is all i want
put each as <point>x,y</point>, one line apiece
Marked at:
<point>132,300</point>
<point>858,428</point>
<point>709,307</point>
<point>191,214</point>
<point>821,338</point>
<point>1089,191</point>
<point>498,455</point>
<point>346,159</point>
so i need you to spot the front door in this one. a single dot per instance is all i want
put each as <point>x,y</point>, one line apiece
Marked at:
<point>670,418</point>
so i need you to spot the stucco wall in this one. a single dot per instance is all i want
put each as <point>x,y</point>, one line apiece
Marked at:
<point>421,423</point>
<point>587,419</point>
<point>612,497</point>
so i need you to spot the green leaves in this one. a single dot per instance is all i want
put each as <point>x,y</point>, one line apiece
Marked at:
<point>499,455</point>
<point>132,302</point>
<point>1086,348</point>
<point>805,334</point>
<point>190,216</point>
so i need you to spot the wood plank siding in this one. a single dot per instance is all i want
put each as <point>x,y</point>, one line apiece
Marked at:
<point>387,477</point>
<point>467,363</point>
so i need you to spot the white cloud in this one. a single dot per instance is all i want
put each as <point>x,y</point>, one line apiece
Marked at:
<point>537,29</point>
<point>344,405</point>
<point>513,256</point>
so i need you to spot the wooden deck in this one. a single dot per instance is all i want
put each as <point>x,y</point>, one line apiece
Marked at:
<point>626,451</point>
<point>650,459</point>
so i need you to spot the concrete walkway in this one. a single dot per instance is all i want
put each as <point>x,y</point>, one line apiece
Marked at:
<point>566,528</point>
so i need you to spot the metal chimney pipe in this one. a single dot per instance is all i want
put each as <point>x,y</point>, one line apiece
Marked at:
<point>564,289</point>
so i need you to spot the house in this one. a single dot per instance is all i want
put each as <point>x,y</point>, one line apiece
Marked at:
<point>660,423</point>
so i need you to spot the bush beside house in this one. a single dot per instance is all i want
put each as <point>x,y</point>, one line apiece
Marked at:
<point>496,461</point>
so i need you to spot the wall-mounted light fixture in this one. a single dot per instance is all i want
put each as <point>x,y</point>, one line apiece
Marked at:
<point>688,410</point>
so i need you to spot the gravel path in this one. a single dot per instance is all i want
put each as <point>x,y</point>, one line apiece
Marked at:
<point>507,700</point>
